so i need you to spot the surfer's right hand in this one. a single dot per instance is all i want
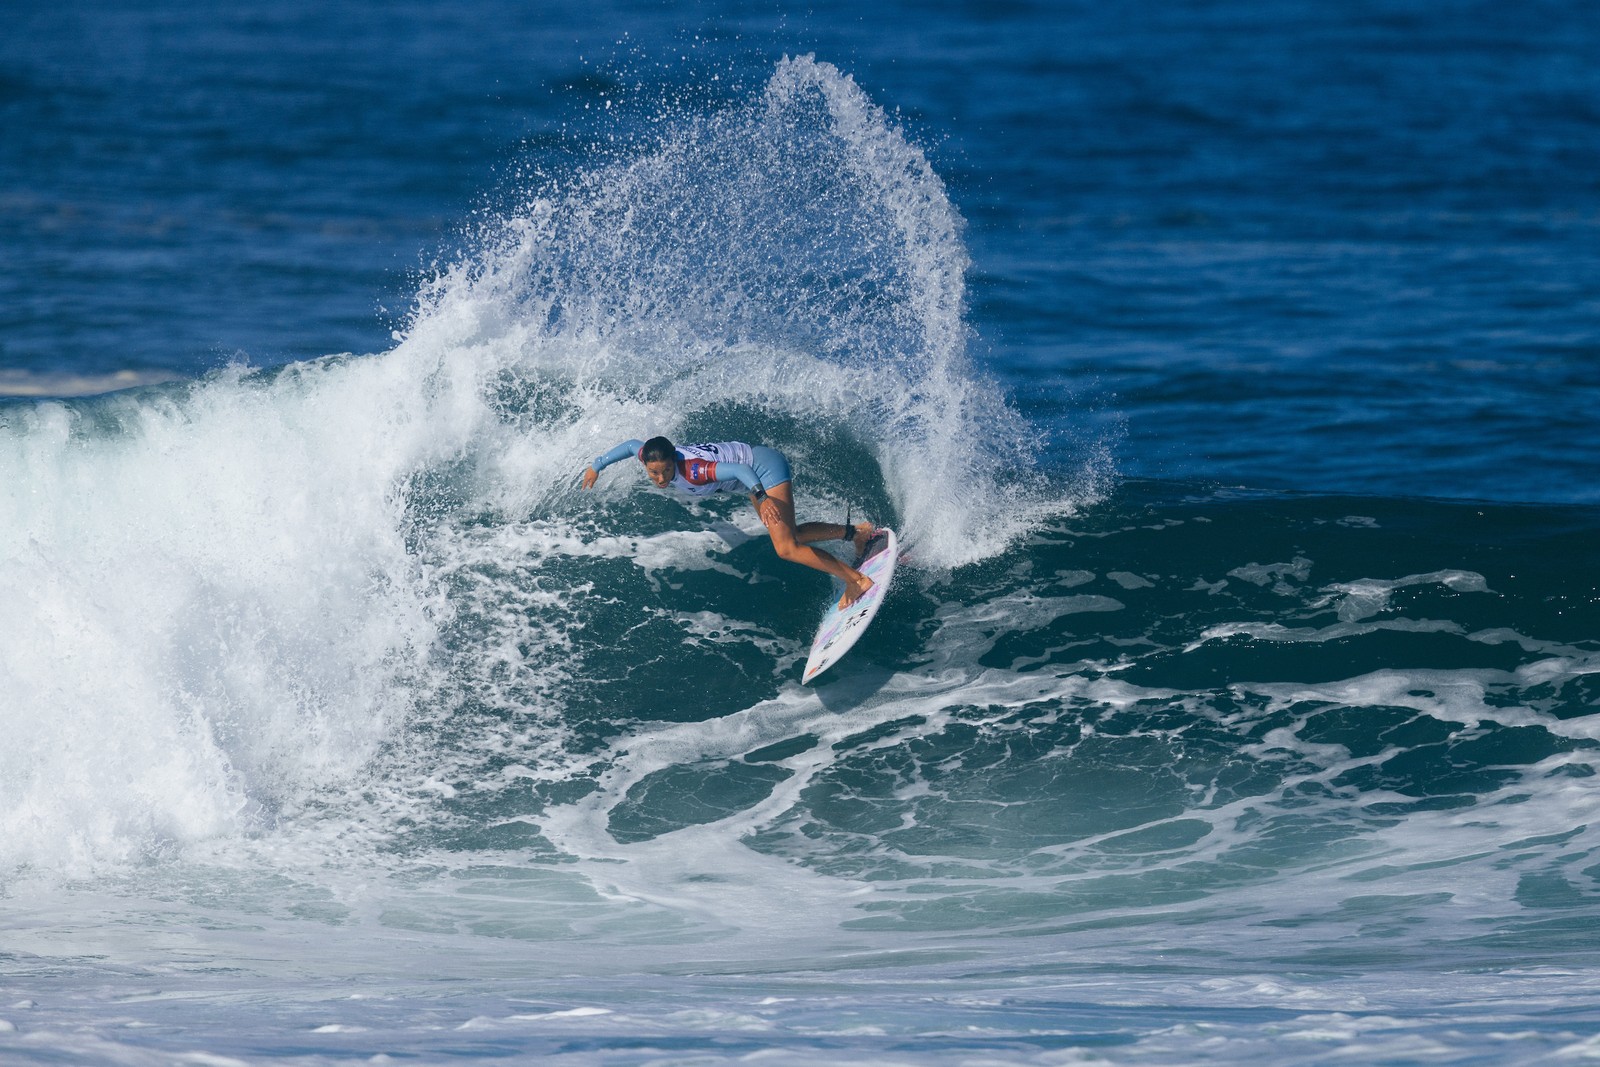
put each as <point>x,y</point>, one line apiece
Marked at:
<point>590,476</point>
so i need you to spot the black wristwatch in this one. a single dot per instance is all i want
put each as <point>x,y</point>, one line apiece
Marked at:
<point>761,492</point>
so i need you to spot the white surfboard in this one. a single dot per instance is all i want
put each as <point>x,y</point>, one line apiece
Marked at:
<point>841,629</point>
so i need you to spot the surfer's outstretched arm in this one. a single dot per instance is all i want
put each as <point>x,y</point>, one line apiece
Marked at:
<point>621,452</point>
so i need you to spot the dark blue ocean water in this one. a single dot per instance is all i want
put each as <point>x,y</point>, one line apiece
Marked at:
<point>1229,370</point>
<point>1308,246</point>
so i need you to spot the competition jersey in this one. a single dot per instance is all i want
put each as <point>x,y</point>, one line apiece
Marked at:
<point>697,467</point>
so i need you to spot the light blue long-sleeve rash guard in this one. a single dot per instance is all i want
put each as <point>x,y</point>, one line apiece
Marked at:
<point>721,475</point>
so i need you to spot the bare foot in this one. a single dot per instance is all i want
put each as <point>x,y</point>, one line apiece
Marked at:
<point>854,590</point>
<point>864,532</point>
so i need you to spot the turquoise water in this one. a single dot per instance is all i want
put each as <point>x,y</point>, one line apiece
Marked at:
<point>1225,373</point>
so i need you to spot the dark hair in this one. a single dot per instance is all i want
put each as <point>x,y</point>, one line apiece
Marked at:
<point>658,448</point>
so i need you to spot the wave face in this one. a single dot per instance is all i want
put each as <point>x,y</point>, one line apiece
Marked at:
<point>235,594</point>
<point>318,676</point>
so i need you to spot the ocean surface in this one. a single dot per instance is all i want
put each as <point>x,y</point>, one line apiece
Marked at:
<point>1230,370</point>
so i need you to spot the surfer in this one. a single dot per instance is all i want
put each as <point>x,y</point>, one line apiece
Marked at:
<point>700,470</point>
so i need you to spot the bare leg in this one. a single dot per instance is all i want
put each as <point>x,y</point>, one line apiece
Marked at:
<point>808,532</point>
<point>789,545</point>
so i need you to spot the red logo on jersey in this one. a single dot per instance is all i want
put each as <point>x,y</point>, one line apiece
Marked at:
<point>698,471</point>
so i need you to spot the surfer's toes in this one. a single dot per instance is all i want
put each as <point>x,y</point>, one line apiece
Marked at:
<point>855,591</point>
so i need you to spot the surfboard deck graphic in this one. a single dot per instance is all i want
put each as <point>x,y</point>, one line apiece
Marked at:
<point>841,629</point>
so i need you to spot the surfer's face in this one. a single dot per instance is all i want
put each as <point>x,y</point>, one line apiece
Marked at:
<point>660,471</point>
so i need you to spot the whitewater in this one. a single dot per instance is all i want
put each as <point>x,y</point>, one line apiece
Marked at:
<point>341,728</point>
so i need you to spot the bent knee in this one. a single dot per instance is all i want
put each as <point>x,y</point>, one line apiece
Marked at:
<point>787,548</point>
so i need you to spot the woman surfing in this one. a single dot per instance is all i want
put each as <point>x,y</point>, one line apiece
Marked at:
<point>703,469</point>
